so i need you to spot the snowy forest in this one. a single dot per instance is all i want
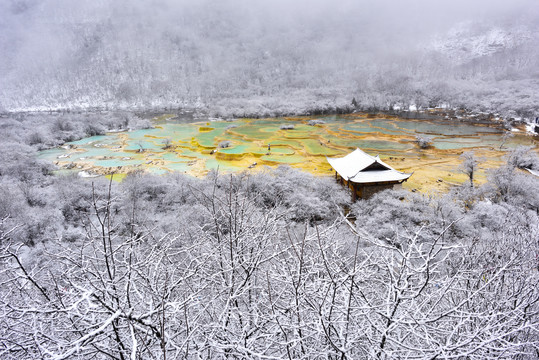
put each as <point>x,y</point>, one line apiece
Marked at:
<point>269,57</point>
<point>275,263</point>
<point>265,266</point>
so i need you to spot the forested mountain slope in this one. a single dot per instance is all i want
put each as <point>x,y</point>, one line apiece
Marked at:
<point>238,57</point>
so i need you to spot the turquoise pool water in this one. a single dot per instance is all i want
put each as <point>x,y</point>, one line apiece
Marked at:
<point>193,147</point>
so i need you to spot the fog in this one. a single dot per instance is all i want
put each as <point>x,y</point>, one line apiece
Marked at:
<point>65,54</point>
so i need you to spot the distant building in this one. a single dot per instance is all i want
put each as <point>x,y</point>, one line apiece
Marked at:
<point>365,175</point>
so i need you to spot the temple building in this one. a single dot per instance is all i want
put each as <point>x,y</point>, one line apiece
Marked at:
<point>365,175</point>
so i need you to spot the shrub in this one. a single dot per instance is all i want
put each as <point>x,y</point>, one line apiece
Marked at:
<point>224,144</point>
<point>93,130</point>
<point>523,157</point>
<point>315,122</point>
<point>423,142</point>
<point>287,127</point>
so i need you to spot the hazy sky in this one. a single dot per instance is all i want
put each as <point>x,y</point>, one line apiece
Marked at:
<point>41,23</point>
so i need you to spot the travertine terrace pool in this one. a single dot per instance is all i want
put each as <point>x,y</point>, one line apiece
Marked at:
<point>193,147</point>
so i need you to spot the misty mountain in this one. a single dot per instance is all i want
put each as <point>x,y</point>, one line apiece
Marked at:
<point>468,41</point>
<point>240,57</point>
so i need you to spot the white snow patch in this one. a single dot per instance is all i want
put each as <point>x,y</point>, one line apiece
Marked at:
<point>530,127</point>
<point>86,174</point>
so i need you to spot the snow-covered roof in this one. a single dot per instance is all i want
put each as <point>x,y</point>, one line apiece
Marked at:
<point>373,176</point>
<point>534,172</point>
<point>360,167</point>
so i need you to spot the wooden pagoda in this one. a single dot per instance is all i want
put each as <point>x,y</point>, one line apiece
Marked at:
<point>365,175</point>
